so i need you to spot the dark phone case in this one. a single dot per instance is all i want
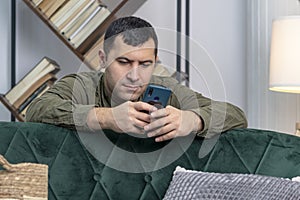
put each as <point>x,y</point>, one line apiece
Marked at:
<point>157,95</point>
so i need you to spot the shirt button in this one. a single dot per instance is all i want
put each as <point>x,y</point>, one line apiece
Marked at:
<point>148,178</point>
<point>97,177</point>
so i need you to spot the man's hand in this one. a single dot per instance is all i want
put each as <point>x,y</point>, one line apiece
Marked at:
<point>129,117</point>
<point>171,122</point>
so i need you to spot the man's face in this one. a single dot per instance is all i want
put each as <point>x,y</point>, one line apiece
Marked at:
<point>129,70</point>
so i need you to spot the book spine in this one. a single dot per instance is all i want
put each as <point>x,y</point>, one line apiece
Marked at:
<point>85,23</point>
<point>96,21</point>
<point>79,18</point>
<point>58,18</point>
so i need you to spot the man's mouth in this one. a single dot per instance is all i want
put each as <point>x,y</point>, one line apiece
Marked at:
<point>131,87</point>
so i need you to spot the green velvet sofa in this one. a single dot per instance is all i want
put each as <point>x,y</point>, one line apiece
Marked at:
<point>75,171</point>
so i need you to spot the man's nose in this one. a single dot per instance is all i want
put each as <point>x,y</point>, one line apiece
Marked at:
<point>133,74</point>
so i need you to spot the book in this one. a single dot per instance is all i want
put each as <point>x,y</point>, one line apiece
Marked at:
<point>33,84</point>
<point>36,2</point>
<point>44,67</point>
<point>60,14</point>
<point>79,18</point>
<point>90,27</point>
<point>33,88</point>
<point>69,10</point>
<point>54,7</point>
<point>71,14</point>
<point>20,112</point>
<point>39,92</point>
<point>45,5</point>
<point>80,26</point>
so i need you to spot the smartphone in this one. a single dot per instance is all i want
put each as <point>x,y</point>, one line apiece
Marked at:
<point>157,95</point>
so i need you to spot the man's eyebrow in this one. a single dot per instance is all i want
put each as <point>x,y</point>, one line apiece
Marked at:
<point>124,58</point>
<point>128,60</point>
<point>146,61</point>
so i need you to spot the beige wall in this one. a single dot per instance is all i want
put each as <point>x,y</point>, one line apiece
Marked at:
<point>266,109</point>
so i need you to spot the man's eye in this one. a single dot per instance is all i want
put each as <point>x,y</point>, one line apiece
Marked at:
<point>123,62</point>
<point>146,64</point>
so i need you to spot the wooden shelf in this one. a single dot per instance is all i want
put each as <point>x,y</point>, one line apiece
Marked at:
<point>86,50</point>
<point>11,108</point>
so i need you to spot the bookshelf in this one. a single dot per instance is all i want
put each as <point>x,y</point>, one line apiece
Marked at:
<point>88,49</point>
<point>36,82</point>
<point>11,108</point>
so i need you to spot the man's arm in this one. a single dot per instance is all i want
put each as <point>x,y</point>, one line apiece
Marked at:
<point>127,117</point>
<point>174,121</point>
<point>72,103</point>
<point>65,104</point>
<point>218,116</point>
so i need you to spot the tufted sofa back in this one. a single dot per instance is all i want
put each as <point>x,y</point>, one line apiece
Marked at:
<point>75,173</point>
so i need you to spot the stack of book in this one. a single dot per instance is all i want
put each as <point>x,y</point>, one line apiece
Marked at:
<point>74,19</point>
<point>32,85</point>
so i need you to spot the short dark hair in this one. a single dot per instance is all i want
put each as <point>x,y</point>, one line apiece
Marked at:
<point>134,31</point>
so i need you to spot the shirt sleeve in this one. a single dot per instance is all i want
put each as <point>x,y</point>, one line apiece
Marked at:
<point>66,104</point>
<point>217,116</point>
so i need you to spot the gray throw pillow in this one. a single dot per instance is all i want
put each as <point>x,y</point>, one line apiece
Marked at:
<point>188,184</point>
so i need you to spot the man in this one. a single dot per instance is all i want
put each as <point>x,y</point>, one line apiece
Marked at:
<point>111,100</point>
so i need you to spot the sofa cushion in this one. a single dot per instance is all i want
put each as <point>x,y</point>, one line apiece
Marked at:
<point>190,184</point>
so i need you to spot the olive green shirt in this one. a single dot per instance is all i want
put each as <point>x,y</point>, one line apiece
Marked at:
<point>68,102</point>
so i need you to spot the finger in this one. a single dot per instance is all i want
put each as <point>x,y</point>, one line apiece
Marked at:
<point>160,113</point>
<point>161,131</point>
<point>140,124</point>
<point>131,129</point>
<point>142,106</point>
<point>139,119</point>
<point>156,123</point>
<point>143,117</point>
<point>137,130</point>
<point>165,137</point>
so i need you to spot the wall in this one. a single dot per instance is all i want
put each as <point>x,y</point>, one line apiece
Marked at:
<point>267,109</point>
<point>216,25</point>
<point>4,54</point>
<point>219,27</point>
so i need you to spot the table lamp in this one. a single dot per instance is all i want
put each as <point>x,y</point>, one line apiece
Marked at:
<point>285,56</point>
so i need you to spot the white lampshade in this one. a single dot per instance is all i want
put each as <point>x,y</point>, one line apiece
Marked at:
<point>285,55</point>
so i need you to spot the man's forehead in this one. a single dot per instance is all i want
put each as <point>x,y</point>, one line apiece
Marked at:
<point>119,47</point>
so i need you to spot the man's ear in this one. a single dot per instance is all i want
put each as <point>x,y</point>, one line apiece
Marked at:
<point>102,58</point>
